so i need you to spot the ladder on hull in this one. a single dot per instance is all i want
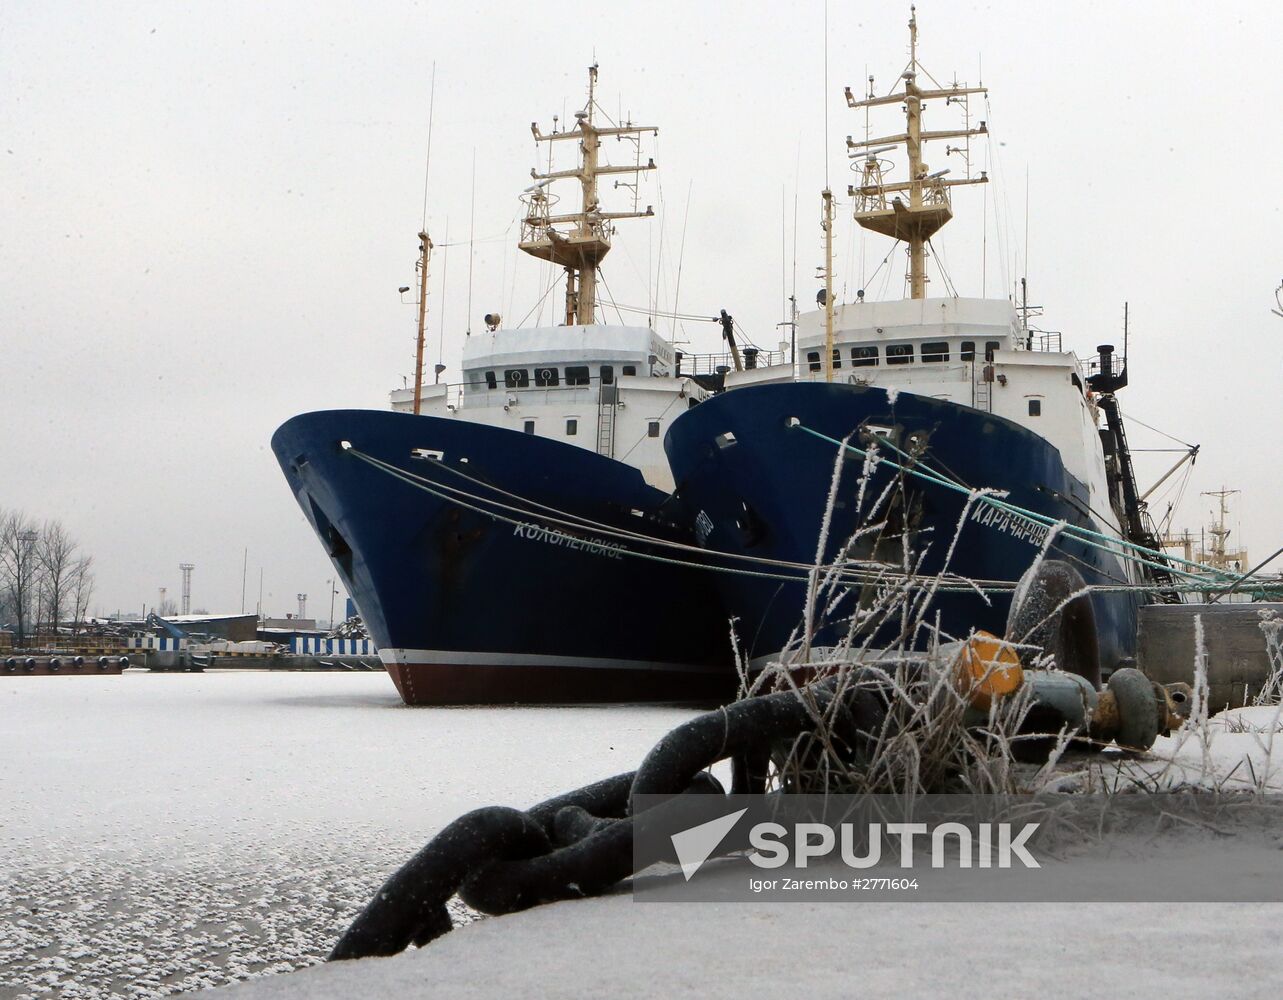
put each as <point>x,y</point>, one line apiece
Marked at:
<point>607,400</point>
<point>982,387</point>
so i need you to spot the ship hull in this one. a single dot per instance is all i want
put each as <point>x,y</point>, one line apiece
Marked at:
<point>472,589</point>
<point>764,494</point>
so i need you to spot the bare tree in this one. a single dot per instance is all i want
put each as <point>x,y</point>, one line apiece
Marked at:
<point>81,589</point>
<point>19,568</point>
<point>57,555</point>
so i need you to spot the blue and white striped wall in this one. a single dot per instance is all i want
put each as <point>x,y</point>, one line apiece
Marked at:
<point>159,643</point>
<point>320,646</point>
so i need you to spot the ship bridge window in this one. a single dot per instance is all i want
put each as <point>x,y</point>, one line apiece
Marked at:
<point>837,358</point>
<point>1035,407</point>
<point>630,369</point>
<point>899,354</point>
<point>935,350</point>
<point>864,357</point>
<point>990,347</point>
<point>607,374</point>
<point>577,375</point>
<point>491,382</point>
<point>967,352</point>
<point>516,378</point>
<point>547,377</point>
<point>813,359</point>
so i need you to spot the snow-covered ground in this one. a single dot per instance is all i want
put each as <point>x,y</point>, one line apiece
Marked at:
<point>164,832</point>
<point>171,832</point>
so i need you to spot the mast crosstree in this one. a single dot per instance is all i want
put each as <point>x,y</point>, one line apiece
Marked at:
<point>578,241</point>
<point>878,204</point>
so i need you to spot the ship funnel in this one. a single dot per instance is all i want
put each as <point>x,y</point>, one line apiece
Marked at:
<point>1106,359</point>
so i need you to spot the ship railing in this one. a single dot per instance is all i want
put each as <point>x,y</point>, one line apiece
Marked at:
<point>711,364</point>
<point>1046,341</point>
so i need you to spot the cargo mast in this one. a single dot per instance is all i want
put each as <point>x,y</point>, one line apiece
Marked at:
<point>585,237</point>
<point>928,207</point>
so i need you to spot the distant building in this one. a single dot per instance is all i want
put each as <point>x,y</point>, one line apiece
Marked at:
<point>234,628</point>
<point>291,623</point>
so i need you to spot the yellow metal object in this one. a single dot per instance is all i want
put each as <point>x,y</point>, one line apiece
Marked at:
<point>827,224</point>
<point>580,248</point>
<point>425,253</point>
<point>988,668</point>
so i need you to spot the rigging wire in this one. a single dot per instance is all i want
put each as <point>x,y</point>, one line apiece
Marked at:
<point>1137,420</point>
<point>427,162</point>
<point>538,305</point>
<point>445,272</point>
<point>604,284</point>
<point>944,272</point>
<point>472,231</point>
<point>681,256</point>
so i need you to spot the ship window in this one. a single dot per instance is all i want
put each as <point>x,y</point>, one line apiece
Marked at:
<point>968,351</point>
<point>630,369</point>
<point>990,347</point>
<point>837,358</point>
<point>607,374</point>
<point>813,357</point>
<point>572,427</point>
<point>577,375</point>
<point>491,382</point>
<point>935,350</point>
<point>529,427</point>
<point>864,357</point>
<point>516,378</point>
<point>547,376</point>
<point>1035,407</point>
<point>652,429</point>
<point>899,354</point>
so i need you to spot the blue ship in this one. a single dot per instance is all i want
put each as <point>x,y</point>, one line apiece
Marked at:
<point>962,394</point>
<point>510,537</point>
<point>476,592</point>
<point>754,467</point>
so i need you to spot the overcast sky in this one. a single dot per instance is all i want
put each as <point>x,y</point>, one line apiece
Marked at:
<point>206,210</point>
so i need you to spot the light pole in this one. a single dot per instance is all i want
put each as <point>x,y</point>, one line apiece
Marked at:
<point>333,592</point>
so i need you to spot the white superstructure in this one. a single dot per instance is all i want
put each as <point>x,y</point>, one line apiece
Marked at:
<point>975,352</point>
<point>611,389</point>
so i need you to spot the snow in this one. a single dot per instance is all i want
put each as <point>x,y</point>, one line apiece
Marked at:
<point>166,832</point>
<point>175,831</point>
<point>615,948</point>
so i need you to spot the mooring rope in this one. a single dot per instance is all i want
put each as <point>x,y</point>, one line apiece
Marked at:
<point>867,573</point>
<point>1084,535</point>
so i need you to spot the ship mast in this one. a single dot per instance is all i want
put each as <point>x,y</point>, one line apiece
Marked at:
<point>425,252</point>
<point>928,208</point>
<point>580,247</point>
<point>826,223</point>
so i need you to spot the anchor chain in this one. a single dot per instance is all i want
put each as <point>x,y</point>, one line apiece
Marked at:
<point>501,860</point>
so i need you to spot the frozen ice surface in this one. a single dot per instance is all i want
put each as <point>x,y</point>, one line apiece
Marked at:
<point>168,832</point>
<point>162,833</point>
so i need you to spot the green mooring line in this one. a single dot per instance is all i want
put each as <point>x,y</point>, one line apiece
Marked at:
<point>1084,535</point>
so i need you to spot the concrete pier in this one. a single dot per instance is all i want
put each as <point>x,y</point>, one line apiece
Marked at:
<point>1238,662</point>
